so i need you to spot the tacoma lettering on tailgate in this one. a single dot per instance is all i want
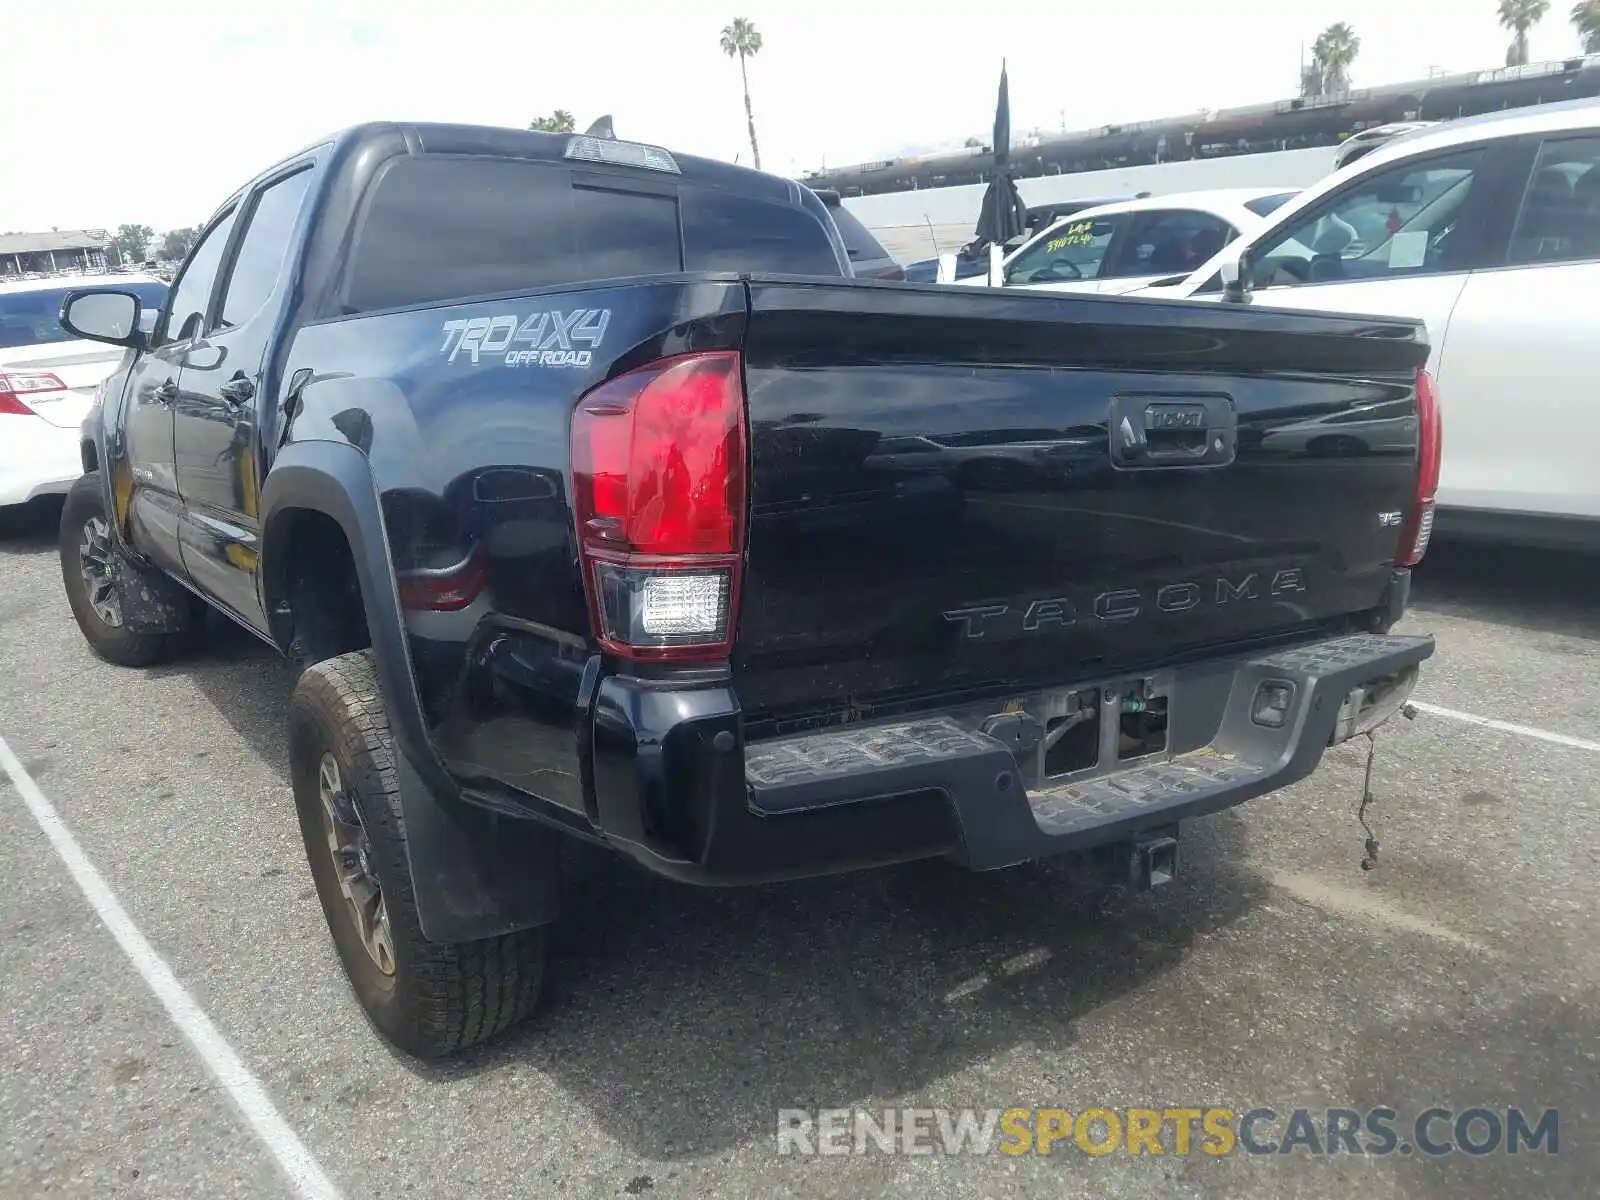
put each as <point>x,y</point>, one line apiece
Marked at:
<point>1126,604</point>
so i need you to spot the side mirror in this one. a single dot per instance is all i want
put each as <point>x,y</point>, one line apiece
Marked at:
<point>103,315</point>
<point>1234,267</point>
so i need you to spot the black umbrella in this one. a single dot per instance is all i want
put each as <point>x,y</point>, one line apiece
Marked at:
<point>1003,215</point>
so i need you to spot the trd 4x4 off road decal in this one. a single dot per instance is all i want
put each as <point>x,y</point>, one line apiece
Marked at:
<point>545,339</point>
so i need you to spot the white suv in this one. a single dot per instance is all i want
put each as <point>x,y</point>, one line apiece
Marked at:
<point>1488,229</point>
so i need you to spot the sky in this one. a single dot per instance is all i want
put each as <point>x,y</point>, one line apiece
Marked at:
<point>154,111</point>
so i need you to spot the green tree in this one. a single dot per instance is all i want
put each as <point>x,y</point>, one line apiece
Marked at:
<point>1519,16</point>
<point>176,243</point>
<point>132,241</point>
<point>1332,54</point>
<point>559,121</point>
<point>1586,20</point>
<point>741,40</point>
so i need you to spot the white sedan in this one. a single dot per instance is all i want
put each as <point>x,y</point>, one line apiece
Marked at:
<point>1121,247</point>
<point>48,380</point>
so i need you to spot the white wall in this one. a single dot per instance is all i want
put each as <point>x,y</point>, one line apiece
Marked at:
<point>901,220</point>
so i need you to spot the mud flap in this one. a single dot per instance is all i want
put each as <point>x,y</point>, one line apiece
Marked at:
<point>474,872</point>
<point>151,602</point>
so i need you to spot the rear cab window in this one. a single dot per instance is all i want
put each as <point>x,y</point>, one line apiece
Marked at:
<point>443,227</point>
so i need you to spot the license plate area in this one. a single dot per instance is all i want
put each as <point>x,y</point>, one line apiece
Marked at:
<point>1080,732</point>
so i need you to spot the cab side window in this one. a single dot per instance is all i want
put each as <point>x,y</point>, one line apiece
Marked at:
<point>1067,252</point>
<point>259,262</point>
<point>191,296</point>
<point>1403,221</point>
<point>1560,218</point>
<point>1169,242</point>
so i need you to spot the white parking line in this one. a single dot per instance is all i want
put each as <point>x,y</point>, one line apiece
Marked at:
<point>303,1170</point>
<point>1527,731</point>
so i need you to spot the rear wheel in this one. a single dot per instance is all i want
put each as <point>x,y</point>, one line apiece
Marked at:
<point>429,998</point>
<point>94,571</point>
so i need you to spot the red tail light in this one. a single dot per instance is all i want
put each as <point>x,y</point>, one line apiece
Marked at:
<point>658,472</point>
<point>1418,528</point>
<point>14,385</point>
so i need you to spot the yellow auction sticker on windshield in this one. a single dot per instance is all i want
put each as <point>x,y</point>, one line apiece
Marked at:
<point>1080,234</point>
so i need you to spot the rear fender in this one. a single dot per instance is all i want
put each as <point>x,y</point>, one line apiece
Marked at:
<point>476,873</point>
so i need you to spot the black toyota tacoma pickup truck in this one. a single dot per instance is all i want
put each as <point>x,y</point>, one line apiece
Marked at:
<point>593,498</point>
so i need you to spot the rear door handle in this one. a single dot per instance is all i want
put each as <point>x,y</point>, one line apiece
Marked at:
<point>237,392</point>
<point>166,394</point>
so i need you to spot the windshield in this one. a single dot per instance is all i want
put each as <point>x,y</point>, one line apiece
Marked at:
<point>1070,250</point>
<point>33,318</point>
<point>858,240</point>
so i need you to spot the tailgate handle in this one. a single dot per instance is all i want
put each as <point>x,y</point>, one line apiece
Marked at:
<point>1173,431</point>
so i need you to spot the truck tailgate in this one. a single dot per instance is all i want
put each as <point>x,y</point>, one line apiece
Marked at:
<point>963,491</point>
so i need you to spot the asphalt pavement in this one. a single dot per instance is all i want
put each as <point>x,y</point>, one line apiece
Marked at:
<point>1463,971</point>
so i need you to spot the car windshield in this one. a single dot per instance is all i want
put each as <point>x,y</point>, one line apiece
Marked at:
<point>858,240</point>
<point>1069,251</point>
<point>33,317</point>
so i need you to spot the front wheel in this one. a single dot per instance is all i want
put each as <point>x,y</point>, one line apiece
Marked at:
<point>429,998</point>
<point>94,572</point>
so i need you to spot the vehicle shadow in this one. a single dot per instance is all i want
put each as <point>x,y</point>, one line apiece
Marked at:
<point>31,529</point>
<point>1537,590</point>
<point>683,1018</point>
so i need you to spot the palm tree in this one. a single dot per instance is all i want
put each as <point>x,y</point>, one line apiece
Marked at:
<point>1519,16</point>
<point>740,39</point>
<point>1332,53</point>
<point>1586,19</point>
<point>559,121</point>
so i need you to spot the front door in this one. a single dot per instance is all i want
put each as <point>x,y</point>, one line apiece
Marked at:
<point>217,449</point>
<point>1401,241</point>
<point>146,485</point>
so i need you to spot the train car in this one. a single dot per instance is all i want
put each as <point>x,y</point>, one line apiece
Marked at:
<point>1299,123</point>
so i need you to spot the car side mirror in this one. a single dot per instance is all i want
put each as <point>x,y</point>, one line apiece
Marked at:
<point>1234,267</point>
<point>103,315</point>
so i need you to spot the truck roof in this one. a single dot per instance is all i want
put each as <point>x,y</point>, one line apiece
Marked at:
<point>500,142</point>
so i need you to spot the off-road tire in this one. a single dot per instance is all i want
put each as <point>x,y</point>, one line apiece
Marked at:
<point>114,643</point>
<point>440,998</point>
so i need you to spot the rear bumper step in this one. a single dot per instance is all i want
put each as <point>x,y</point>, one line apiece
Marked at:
<point>939,785</point>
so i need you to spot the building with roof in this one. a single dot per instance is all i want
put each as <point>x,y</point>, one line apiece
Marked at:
<point>58,250</point>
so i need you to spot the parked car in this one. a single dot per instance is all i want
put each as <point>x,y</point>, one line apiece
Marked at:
<point>1122,247</point>
<point>868,258</point>
<point>1359,145</point>
<point>1487,229</point>
<point>611,415</point>
<point>47,382</point>
<point>971,262</point>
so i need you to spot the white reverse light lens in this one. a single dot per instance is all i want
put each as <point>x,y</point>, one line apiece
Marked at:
<point>678,604</point>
